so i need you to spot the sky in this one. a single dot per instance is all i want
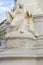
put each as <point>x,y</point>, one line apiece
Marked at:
<point>5,5</point>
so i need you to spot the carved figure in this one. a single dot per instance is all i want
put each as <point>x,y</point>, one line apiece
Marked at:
<point>21,18</point>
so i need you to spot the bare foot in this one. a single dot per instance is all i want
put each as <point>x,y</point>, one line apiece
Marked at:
<point>21,31</point>
<point>36,35</point>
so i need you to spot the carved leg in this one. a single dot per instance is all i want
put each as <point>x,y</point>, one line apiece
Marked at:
<point>32,29</point>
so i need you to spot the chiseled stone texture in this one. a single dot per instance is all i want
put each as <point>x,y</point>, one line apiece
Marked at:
<point>19,61</point>
<point>24,51</point>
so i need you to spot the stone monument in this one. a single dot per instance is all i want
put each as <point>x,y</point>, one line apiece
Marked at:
<point>24,43</point>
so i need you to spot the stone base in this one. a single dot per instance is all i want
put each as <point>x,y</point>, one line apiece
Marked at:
<point>20,40</point>
<point>19,61</point>
<point>20,43</point>
<point>20,57</point>
<point>22,51</point>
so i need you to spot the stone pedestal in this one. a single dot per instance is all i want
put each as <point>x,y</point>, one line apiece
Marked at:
<point>17,56</point>
<point>20,40</point>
